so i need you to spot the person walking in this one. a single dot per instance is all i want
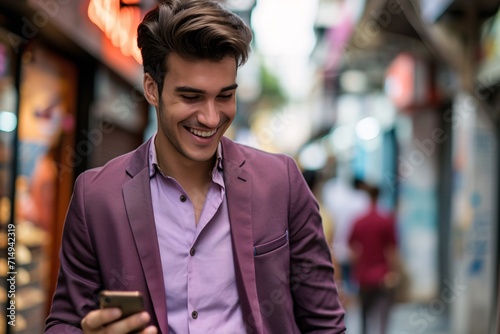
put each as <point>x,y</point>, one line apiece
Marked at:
<point>374,252</point>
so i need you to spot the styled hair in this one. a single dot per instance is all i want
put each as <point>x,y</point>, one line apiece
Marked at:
<point>192,29</point>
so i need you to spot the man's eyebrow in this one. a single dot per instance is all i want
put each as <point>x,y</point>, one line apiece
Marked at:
<point>187,89</point>
<point>231,87</point>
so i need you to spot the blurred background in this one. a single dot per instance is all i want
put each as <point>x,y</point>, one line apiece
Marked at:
<point>401,94</point>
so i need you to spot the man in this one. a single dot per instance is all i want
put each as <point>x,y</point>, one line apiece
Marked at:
<point>374,251</point>
<point>218,237</point>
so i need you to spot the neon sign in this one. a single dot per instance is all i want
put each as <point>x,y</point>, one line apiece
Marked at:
<point>119,23</point>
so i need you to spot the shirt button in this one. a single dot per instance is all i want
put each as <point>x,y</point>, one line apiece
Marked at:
<point>183,198</point>
<point>194,314</point>
<point>192,251</point>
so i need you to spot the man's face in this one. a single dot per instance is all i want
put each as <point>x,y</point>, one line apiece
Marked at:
<point>197,105</point>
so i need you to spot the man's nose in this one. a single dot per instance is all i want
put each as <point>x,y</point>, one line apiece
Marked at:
<point>209,115</point>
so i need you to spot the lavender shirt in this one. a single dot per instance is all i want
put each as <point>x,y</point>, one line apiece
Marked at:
<point>197,260</point>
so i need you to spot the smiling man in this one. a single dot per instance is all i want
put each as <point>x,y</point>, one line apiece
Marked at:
<point>218,237</point>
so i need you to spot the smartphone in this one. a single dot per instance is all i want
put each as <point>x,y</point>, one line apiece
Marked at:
<point>130,302</point>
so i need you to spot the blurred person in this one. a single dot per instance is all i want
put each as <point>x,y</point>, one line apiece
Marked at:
<point>218,237</point>
<point>345,201</point>
<point>374,253</point>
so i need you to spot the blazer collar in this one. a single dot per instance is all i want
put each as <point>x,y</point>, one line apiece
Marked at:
<point>139,207</point>
<point>232,153</point>
<point>238,184</point>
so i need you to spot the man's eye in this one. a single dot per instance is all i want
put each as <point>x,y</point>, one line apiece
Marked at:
<point>190,97</point>
<point>225,97</point>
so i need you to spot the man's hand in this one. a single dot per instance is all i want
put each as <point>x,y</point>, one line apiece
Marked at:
<point>105,321</point>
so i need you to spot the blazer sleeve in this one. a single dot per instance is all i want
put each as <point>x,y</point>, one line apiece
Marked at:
<point>316,301</point>
<point>79,280</point>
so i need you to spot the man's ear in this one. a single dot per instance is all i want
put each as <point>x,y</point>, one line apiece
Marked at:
<point>150,90</point>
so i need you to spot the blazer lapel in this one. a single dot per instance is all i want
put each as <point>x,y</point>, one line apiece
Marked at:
<point>238,192</point>
<point>137,197</point>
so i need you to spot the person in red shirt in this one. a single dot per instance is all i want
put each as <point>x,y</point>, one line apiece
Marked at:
<point>374,250</point>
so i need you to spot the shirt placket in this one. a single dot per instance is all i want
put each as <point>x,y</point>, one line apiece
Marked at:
<point>213,202</point>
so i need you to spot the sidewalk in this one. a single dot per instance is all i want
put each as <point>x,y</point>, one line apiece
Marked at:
<point>404,319</point>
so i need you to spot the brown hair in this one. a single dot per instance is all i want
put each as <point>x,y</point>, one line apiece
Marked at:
<point>192,29</point>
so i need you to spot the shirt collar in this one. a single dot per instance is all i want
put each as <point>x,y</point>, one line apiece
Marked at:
<point>153,158</point>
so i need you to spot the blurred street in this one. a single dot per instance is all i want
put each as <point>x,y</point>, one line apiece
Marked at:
<point>397,96</point>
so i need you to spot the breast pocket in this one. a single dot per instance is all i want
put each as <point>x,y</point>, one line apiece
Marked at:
<point>271,246</point>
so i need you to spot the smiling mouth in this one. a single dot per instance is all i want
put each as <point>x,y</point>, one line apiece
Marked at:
<point>203,134</point>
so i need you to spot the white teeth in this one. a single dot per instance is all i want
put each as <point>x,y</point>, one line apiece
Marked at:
<point>203,133</point>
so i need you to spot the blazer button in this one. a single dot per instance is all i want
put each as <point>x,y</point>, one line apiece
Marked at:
<point>194,314</point>
<point>192,251</point>
<point>183,198</point>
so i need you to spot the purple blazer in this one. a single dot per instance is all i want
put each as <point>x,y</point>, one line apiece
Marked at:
<point>283,266</point>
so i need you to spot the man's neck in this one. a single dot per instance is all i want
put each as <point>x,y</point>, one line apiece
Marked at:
<point>194,177</point>
<point>187,172</point>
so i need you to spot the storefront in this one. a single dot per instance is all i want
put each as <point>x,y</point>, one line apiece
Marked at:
<point>421,135</point>
<point>475,231</point>
<point>69,100</point>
